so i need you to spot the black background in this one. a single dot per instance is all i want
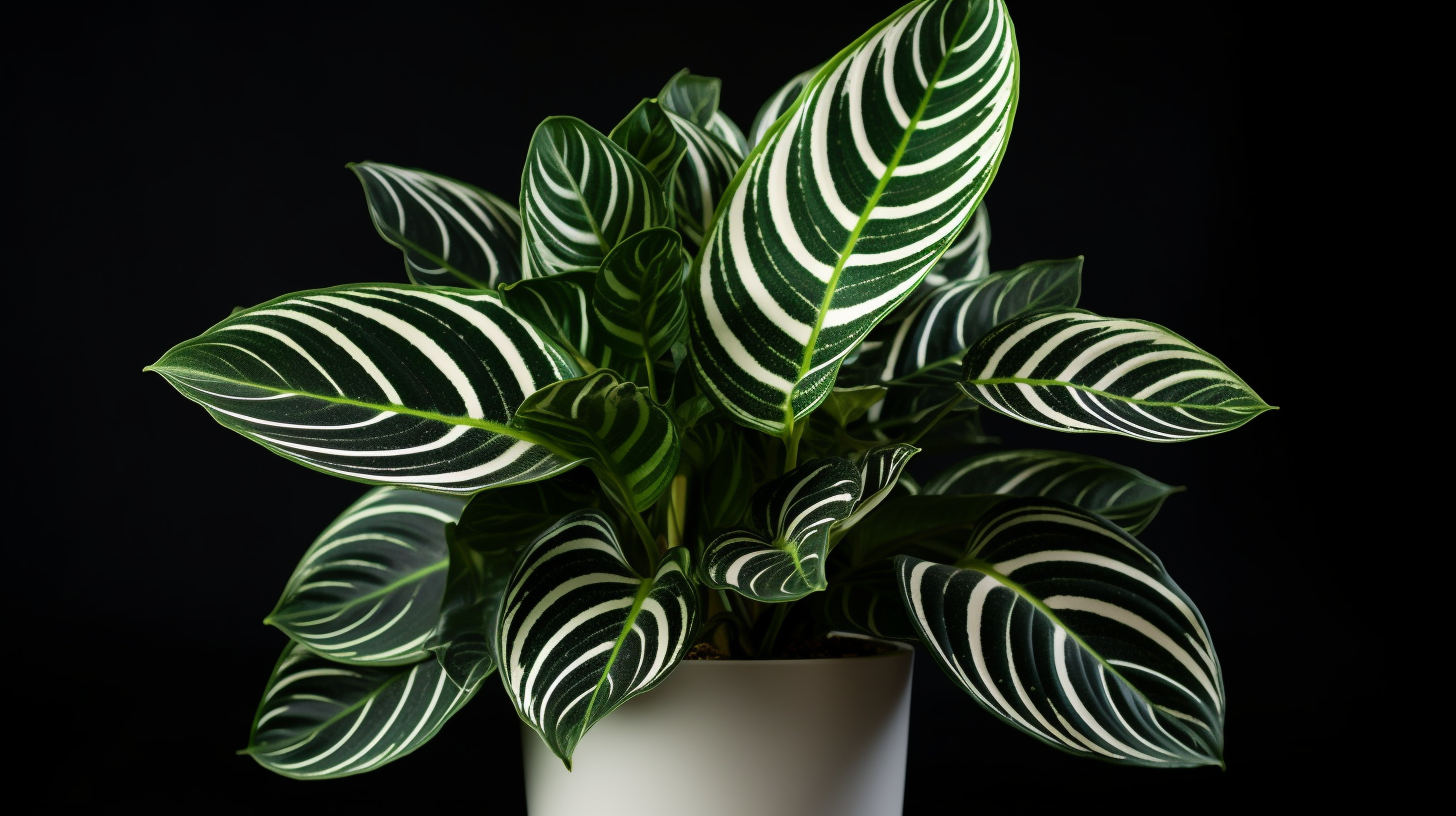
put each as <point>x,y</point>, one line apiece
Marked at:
<point>1159,143</point>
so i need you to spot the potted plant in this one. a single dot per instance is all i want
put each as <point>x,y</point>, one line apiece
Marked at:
<point>664,410</point>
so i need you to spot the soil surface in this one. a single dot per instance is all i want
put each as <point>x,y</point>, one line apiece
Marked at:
<point>814,648</point>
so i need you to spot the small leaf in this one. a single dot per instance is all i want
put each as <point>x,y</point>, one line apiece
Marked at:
<point>638,298</point>
<point>845,405</point>
<point>1121,495</point>
<point>628,440</point>
<point>368,591</point>
<point>580,633</point>
<point>693,97</point>
<point>729,134</point>
<point>924,526</point>
<point>1077,372</point>
<point>650,137</point>
<point>968,258</point>
<point>879,472</point>
<point>777,105</point>
<point>561,307</point>
<point>452,234</point>
<point>784,559</point>
<point>581,195</point>
<point>1064,626</point>
<point>706,170</point>
<point>323,720</point>
<point>404,385</point>
<point>727,484</point>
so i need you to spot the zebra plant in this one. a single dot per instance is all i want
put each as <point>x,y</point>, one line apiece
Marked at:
<point>670,403</point>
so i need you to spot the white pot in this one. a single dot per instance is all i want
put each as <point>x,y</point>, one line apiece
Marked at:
<point>740,737</point>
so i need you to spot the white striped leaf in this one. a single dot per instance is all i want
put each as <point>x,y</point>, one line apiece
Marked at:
<point>580,196</point>
<point>1065,626</point>
<point>706,170</point>
<point>388,385</point>
<point>561,307</point>
<point>452,234</point>
<point>368,591</point>
<point>968,257</point>
<point>322,720</point>
<point>1077,372</point>
<point>1119,494</point>
<point>927,346</point>
<point>581,633</point>
<point>784,559</point>
<point>638,298</point>
<point>623,436</point>
<point>694,98</point>
<point>729,134</point>
<point>777,105</point>
<point>650,137</point>
<point>847,203</point>
<point>879,472</point>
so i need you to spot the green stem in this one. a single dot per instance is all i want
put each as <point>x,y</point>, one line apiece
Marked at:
<point>781,611</point>
<point>791,458</point>
<point>649,544</point>
<point>935,420</point>
<point>652,380</point>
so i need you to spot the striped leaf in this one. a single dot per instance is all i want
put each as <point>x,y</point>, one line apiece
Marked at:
<point>368,590</point>
<point>784,559</point>
<point>1065,626</point>
<point>561,307</point>
<point>1119,494</point>
<point>626,439</point>
<point>968,257</point>
<point>847,203</point>
<point>867,602</point>
<point>1077,372</point>
<point>777,105</point>
<point>321,720</point>
<point>927,346</point>
<point>452,234</point>
<point>388,385</point>
<point>729,134</point>
<point>638,298</point>
<point>581,633</point>
<point>879,472</point>
<point>580,196</point>
<point>694,98</point>
<point>650,137</point>
<point>706,170</point>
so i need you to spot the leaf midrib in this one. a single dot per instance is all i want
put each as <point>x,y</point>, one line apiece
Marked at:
<point>807,362</point>
<point>418,575</point>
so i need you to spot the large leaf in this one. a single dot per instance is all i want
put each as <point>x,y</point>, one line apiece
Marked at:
<point>368,590</point>
<point>777,105</point>
<point>397,385</point>
<point>1064,626</point>
<point>783,559</point>
<point>968,258</point>
<point>846,204</point>
<point>452,234</point>
<point>626,439</point>
<point>580,633</point>
<point>638,297</point>
<point>927,346</point>
<point>320,720</point>
<point>1119,494</point>
<point>580,196</point>
<point>1077,372</point>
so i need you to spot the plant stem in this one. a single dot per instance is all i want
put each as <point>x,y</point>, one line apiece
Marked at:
<point>652,380</point>
<point>649,544</point>
<point>791,459</point>
<point>781,611</point>
<point>935,420</point>
<point>676,509</point>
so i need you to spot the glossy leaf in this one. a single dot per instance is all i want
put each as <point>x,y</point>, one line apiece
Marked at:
<point>783,560</point>
<point>581,633</point>
<point>927,346</point>
<point>581,195</point>
<point>1077,372</point>
<point>395,385</point>
<point>846,204</point>
<point>777,105</point>
<point>1121,495</point>
<point>561,307</point>
<point>879,471</point>
<point>729,134</point>
<point>638,298</point>
<point>452,234</point>
<point>321,720</point>
<point>706,170</point>
<point>1061,624</point>
<point>651,138</point>
<point>694,98</point>
<point>968,258</point>
<point>368,591</point>
<point>625,438</point>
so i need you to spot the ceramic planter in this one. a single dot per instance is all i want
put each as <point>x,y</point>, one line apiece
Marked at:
<point>739,737</point>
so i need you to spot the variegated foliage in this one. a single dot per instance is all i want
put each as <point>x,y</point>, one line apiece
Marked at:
<point>695,98</point>
<point>452,234</point>
<point>1119,494</point>
<point>968,258</point>
<point>777,105</point>
<point>399,385</point>
<point>638,298</point>
<point>1065,626</point>
<point>580,633</point>
<point>369,589</point>
<point>561,307</point>
<point>627,439</point>
<point>879,472</point>
<point>846,204</point>
<point>1075,371</point>
<point>783,559</point>
<point>320,719</point>
<point>581,195</point>
<point>648,134</point>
